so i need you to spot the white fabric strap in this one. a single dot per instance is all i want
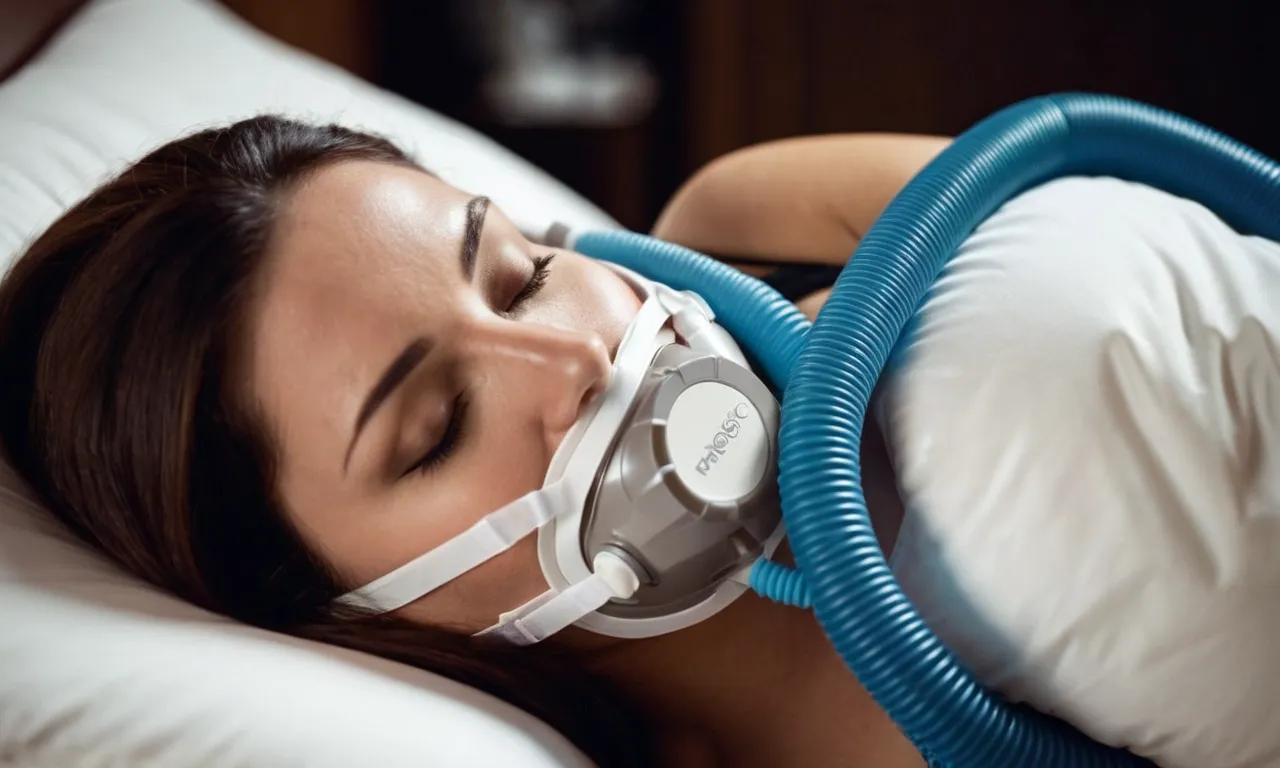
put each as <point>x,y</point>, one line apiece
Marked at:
<point>489,537</point>
<point>551,612</point>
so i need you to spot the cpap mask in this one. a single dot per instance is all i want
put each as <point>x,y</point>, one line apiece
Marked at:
<point>656,504</point>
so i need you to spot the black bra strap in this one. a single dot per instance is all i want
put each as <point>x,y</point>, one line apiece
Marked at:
<point>796,281</point>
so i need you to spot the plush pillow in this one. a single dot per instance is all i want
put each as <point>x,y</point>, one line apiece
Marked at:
<point>1087,432</point>
<point>97,668</point>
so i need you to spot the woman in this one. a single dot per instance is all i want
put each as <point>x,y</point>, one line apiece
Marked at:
<point>194,381</point>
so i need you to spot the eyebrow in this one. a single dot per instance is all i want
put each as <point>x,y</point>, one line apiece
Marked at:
<point>477,207</point>
<point>404,364</point>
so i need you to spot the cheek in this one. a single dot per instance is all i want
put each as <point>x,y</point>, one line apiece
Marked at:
<point>475,600</point>
<point>500,465</point>
<point>586,296</point>
<point>380,536</point>
<point>608,304</point>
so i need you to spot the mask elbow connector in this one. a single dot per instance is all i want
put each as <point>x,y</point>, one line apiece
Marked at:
<point>693,321</point>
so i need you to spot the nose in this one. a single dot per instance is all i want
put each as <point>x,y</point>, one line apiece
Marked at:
<point>552,374</point>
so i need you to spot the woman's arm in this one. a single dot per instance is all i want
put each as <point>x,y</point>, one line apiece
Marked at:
<point>805,199</point>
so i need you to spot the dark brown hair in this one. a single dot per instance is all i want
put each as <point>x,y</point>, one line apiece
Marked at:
<point>118,328</point>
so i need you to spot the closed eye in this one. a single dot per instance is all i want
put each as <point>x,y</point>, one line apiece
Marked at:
<point>449,441</point>
<point>537,281</point>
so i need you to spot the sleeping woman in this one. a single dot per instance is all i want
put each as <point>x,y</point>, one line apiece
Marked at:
<point>271,362</point>
<point>189,357</point>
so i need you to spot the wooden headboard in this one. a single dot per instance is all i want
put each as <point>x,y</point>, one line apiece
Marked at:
<point>342,31</point>
<point>26,25</point>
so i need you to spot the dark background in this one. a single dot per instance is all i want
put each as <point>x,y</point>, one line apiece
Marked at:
<point>735,72</point>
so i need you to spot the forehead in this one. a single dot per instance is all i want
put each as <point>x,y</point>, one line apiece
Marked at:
<point>364,209</point>
<point>362,242</point>
<point>363,256</point>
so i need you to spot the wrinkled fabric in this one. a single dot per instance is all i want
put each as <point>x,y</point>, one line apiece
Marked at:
<point>1086,431</point>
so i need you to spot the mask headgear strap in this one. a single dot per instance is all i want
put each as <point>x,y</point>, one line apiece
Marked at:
<point>552,611</point>
<point>492,535</point>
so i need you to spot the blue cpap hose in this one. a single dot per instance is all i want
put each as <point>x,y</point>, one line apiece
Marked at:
<point>829,371</point>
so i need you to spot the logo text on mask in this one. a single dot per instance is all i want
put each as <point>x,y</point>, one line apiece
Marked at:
<point>729,429</point>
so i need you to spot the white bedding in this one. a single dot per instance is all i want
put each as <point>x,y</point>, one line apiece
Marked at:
<point>1087,432</point>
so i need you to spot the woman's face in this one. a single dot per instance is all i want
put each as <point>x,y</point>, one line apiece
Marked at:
<point>419,361</point>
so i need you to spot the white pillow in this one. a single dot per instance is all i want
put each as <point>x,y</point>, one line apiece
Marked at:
<point>1087,432</point>
<point>97,668</point>
<point>125,76</point>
